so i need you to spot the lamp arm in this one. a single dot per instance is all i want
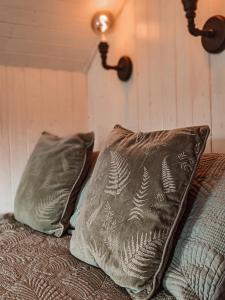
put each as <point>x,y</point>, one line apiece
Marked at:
<point>103,49</point>
<point>190,7</point>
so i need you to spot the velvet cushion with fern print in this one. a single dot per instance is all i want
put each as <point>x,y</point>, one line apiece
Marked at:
<point>52,178</point>
<point>135,199</point>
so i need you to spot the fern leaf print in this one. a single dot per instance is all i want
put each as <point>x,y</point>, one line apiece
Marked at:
<point>137,253</point>
<point>46,207</point>
<point>186,163</point>
<point>118,175</point>
<point>99,254</point>
<point>140,137</point>
<point>137,212</point>
<point>92,218</point>
<point>37,288</point>
<point>109,222</point>
<point>109,225</point>
<point>167,178</point>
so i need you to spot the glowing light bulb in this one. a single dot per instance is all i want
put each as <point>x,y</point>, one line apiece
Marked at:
<point>102,23</point>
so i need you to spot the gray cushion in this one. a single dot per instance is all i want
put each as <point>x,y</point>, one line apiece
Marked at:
<point>134,202</point>
<point>51,181</point>
<point>197,270</point>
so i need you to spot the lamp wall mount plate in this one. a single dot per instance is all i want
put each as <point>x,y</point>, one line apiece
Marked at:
<point>213,32</point>
<point>216,44</point>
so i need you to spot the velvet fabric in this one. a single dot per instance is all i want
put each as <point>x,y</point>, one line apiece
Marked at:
<point>82,194</point>
<point>50,183</point>
<point>134,203</point>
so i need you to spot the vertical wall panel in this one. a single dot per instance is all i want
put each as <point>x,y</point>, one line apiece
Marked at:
<point>168,62</point>
<point>79,111</point>
<point>5,166</point>
<point>218,87</point>
<point>155,64</point>
<point>153,77</point>
<point>218,104</point>
<point>17,123</point>
<point>175,82</point>
<point>162,69</point>
<point>192,80</point>
<point>110,100</point>
<point>141,66</point>
<point>32,101</point>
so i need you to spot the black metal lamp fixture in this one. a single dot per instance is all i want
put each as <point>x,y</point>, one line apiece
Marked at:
<point>102,23</point>
<point>213,32</point>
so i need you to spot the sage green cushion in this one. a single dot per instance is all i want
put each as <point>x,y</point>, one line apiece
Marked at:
<point>82,194</point>
<point>197,270</point>
<point>52,178</point>
<point>80,201</point>
<point>134,203</point>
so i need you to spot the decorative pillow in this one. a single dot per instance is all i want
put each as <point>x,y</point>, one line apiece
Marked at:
<point>51,181</point>
<point>197,270</point>
<point>134,203</point>
<point>83,194</point>
<point>162,295</point>
<point>80,200</point>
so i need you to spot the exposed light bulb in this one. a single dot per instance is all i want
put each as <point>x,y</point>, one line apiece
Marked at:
<point>102,23</point>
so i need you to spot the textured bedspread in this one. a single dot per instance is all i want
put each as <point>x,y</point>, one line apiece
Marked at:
<point>37,266</point>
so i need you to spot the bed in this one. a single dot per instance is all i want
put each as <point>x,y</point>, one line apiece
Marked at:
<point>29,268</point>
<point>38,266</point>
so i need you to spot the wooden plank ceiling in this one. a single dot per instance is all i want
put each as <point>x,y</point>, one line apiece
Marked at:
<point>53,34</point>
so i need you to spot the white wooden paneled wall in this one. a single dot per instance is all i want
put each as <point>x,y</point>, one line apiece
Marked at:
<point>175,82</point>
<point>32,101</point>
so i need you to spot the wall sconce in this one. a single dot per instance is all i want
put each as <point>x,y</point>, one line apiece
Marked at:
<point>102,23</point>
<point>213,32</point>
